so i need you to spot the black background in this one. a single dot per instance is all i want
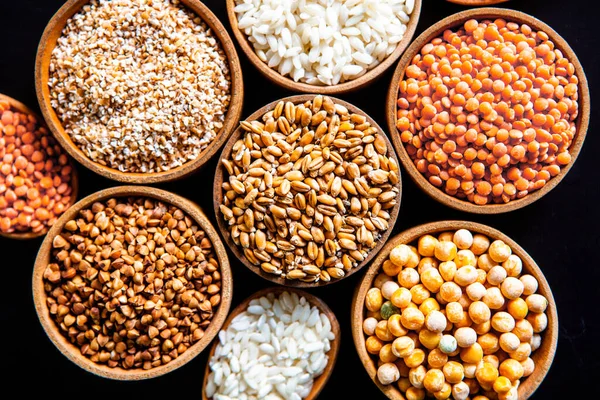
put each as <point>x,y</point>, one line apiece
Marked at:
<point>559,231</point>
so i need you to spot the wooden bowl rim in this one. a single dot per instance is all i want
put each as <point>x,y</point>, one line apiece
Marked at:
<point>582,121</point>
<point>47,43</point>
<point>543,356</point>
<point>17,105</point>
<point>321,380</point>
<point>346,87</point>
<point>67,348</point>
<point>218,195</point>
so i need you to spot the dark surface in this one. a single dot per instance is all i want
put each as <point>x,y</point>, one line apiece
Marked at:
<point>559,231</point>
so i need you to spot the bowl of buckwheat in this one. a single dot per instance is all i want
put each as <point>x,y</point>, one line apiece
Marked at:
<point>132,282</point>
<point>139,92</point>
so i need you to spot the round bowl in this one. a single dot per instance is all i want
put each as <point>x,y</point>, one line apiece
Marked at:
<point>218,196</point>
<point>71,351</point>
<point>454,21</point>
<point>542,357</point>
<point>320,382</point>
<point>44,52</point>
<point>476,3</point>
<point>346,87</point>
<point>17,105</point>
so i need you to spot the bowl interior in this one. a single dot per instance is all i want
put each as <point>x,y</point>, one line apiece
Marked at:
<point>47,44</point>
<point>71,351</point>
<point>17,105</point>
<point>452,22</point>
<point>542,357</point>
<point>322,379</point>
<point>345,87</point>
<point>218,196</point>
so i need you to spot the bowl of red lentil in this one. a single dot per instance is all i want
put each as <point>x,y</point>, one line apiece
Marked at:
<point>158,105</point>
<point>132,282</point>
<point>38,181</point>
<point>488,110</point>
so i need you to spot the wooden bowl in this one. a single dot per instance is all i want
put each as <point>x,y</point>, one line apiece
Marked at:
<point>455,21</point>
<point>44,52</point>
<point>346,87</point>
<point>71,351</point>
<point>218,196</point>
<point>322,379</point>
<point>542,357</point>
<point>476,3</point>
<point>17,105</point>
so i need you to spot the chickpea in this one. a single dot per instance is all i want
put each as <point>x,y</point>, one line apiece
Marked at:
<point>436,321</point>
<point>380,279</point>
<point>403,346</point>
<point>479,312</point>
<point>373,345</point>
<point>463,239</point>
<point>414,393</point>
<point>480,245</point>
<point>416,376</point>
<point>429,340</point>
<point>465,257</point>
<point>481,398</point>
<point>530,284</point>
<point>374,314</point>
<point>460,391</point>
<point>388,373</point>
<point>483,328</point>
<point>489,343</point>
<point>395,327</point>
<point>487,374</point>
<point>476,291</point>
<point>412,318</point>
<point>445,393</point>
<point>472,354</point>
<point>535,342</point>
<point>374,299</point>
<point>447,270</point>
<point>386,355</point>
<point>382,331</point>
<point>408,278</point>
<point>524,330</point>
<point>503,322</point>
<point>512,394</point>
<point>415,359</point>
<point>512,288</point>
<point>426,245</point>
<point>492,359</point>
<point>481,276</point>
<point>536,303</point>
<point>401,298</point>
<point>446,237</point>
<point>400,254</point>
<point>470,369</point>
<point>513,265</point>
<point>402,367</point>
<point>454,312</point>
<point>485,262</point>
<point>434,380</point>
<point>453,372</point>
<point>538,321</point>
<point>445,251</point>
<point>450,292</point>
<point>496,275</point>
<point>465,337</point>
<point>390,269</point>
<point>509,342</point>
<point>430,304</point>
<point>404,384</point>
<point>512,369</point>
<point>522,352</point>
<point>419,293</point>
<point>369,326</point>
<point>493,298</point>
<point>466,275</point>
<point>502,384</point>
<point>517,308</point>
<point>499,251</point>
<point>388,289</point>
<point>464,322</point>
<point>528,367</point>
<point>427,263</point>
<point>432,280</point>
<point>436,358</point>
<point>414,258</point>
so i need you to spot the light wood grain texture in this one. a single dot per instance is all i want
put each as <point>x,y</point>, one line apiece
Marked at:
<point>72,352</point>
<point>477,3</point>
<point>346,87</point>
<point>17,105</point>
<point>218,195</point>
<point>320,381</point>
<point>453,22</point>
<point>542,357</point>
<point>48,42</point>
